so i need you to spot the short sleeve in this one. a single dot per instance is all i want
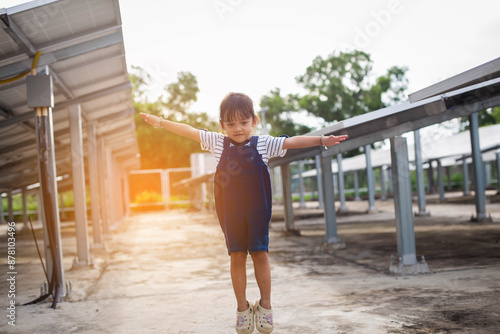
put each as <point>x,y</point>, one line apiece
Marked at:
<point>270,147</point>
<point>213,142</point>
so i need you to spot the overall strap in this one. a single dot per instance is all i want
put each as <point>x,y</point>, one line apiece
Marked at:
<point>253,141</point>
<point>226,142</point>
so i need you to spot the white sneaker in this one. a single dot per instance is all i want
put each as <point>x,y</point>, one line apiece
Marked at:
<point>263,318</point>
<point>244,320</point>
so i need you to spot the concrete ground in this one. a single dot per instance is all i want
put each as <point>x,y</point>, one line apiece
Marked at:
<point>168,272</point>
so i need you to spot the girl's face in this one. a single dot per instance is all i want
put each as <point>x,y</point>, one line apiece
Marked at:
<point>240,130</point>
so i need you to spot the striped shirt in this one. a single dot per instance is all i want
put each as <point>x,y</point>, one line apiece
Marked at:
<point>267,146</point>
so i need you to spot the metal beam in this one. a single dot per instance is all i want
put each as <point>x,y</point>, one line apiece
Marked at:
<point>28,6</point>
<point>20,67</point>
<point>396,120</point>
<point>28,116</point>
<point>94,95</point>
<point>481,73</point>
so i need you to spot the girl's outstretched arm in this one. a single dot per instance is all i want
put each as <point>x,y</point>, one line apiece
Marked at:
<point>309,141</point>
<point>177,128</point>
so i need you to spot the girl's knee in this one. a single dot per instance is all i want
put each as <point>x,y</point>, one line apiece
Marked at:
<point>259,256</point>
<point>238,257</point>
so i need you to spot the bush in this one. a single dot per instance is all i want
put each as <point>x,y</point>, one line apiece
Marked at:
<point>148,197</point>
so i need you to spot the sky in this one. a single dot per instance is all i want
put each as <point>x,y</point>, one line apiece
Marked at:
<point>254,46</point>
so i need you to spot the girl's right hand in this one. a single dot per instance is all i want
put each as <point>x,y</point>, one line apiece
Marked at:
<point>151,119</point>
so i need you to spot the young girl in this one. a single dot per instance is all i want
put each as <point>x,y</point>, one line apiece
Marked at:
<point>243,196</point>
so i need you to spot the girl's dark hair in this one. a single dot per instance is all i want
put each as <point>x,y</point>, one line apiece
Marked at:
<point>236,106</point>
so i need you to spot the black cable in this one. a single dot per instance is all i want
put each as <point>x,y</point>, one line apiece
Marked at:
<point>38,250</point>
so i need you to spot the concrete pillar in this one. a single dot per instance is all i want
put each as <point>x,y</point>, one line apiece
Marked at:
<point>287,197</point>
<point>93,163</point>
<point>329,200</point>
<point>370,180</point>
<point>341,185</point>
<point>319,181</point>
<point>479,172</point>
<point>402,201</point>
<point>80,203</point>
<point>419,174</point>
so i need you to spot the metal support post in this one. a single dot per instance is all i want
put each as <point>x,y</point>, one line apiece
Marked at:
<point>479,172</point>
<point>48,185</point>
<point>487,168</point>
<point>113,222</point>
<point>419,175</point>
<point>126,192</point>
<point>287,198</point>
<point>317,160</point>
<point>329,201</point>
<point>356,186</point>
<point>383,193</point>
<point>440,180</point>
<point>1,209</point>
<point>498,171</point>
<point>370,176</point>
<point>76,136</point>
<point>465,169</point>
<point>25,209</point>
<point>103,188</point>
<point>341,185</point>
<point>448,178</point>
<point>402,202</point>
<point>430,178</point>
<point>300,164</point>
<point>10,206</point>
<point>93,162</point>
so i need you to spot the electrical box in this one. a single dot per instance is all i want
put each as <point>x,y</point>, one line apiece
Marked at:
<point>39,90</point>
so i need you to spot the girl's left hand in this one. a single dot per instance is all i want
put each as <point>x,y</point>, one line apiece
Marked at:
<point>332,140</point>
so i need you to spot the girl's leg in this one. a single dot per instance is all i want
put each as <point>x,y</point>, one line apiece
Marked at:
<point>263,277</point>
<point>239,278</point>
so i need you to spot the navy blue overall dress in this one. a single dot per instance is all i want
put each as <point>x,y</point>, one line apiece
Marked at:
<point>243,201</point>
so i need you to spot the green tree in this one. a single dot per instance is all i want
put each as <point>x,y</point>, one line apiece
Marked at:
<point>160,148</point>
<point>280,114</point>
<point>339,86</point>
<point>486,117</point>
